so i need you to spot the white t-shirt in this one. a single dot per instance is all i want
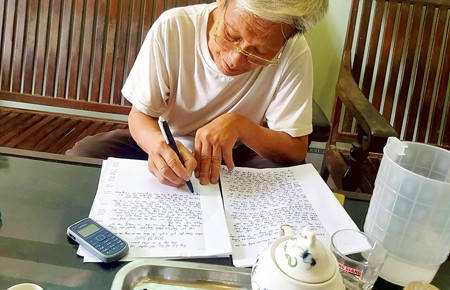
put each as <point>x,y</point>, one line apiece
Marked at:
<point>175,76</point>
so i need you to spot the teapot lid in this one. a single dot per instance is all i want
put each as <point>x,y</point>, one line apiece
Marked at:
<point>304,258</point>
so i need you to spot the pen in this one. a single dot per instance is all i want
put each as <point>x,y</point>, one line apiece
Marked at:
<point>165,130</point>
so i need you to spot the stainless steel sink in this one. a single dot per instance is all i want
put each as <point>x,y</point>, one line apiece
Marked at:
<point>149,274</point>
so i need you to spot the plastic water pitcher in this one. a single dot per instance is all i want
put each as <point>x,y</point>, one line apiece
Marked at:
<point>409,212</point>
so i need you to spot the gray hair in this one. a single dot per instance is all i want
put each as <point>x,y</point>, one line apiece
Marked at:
<point>301,14</point>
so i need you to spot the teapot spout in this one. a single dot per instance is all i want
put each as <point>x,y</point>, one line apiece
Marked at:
<point>286,230</point>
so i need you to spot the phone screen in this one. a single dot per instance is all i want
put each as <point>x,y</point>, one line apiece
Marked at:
<point>89,230</point>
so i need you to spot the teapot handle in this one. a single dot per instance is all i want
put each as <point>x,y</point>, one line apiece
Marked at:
<point>286,230</point>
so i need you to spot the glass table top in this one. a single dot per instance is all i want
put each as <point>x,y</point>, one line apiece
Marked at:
<point>42,194</point>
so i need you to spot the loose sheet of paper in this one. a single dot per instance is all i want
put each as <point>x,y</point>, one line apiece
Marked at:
<point>158,220</point>
<point>258,201</point>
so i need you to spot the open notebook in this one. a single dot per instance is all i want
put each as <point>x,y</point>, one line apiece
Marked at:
<point>241,217</point>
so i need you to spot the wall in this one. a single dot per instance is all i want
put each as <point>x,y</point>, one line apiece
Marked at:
<point>326,41</point>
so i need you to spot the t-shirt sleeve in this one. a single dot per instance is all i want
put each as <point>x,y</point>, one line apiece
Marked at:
<point>291,109</point>
<point>147,85</point>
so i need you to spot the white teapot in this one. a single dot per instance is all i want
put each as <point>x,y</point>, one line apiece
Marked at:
<point>296,262</point>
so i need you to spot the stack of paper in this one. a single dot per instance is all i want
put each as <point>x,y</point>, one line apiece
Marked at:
<point>158,220</point>
<point>162,221</point>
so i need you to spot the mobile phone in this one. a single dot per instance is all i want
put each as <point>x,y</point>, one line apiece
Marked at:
<point>98,240</point>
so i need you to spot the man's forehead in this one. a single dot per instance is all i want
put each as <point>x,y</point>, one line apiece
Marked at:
<point>248,24</point>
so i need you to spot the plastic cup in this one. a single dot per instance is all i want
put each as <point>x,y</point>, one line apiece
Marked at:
<point>360,258</point>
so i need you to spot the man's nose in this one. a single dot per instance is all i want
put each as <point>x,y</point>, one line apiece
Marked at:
<point>237,59</point>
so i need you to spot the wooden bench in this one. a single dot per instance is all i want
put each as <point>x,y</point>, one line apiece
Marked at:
<point>74,55</point>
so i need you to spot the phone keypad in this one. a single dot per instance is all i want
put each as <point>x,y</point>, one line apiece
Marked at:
<point>106,243</point>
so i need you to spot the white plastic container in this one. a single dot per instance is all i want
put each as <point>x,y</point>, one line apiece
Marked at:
<point>410,210</point>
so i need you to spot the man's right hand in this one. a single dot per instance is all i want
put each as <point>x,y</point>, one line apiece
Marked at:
<point>163,162</point>
<point>165,165</point>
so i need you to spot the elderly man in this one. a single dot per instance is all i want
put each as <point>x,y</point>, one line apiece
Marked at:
<point>234,81</point>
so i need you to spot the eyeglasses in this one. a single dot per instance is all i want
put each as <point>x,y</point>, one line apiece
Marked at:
<point>252,58</point>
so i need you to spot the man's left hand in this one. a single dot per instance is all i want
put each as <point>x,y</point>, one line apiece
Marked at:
<point>214,142</point>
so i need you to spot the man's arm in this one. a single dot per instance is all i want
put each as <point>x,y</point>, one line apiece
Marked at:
<point>163,162</point>
<point>275,145</point>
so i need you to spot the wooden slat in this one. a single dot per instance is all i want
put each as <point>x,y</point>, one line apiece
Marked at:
<point>58,128</point>
<point>17,42</point>
<point>338,109</point>
<point>407,69</point>
<point>133,37</point>
<point>2,36</point>
<point>30,131</point>
<point>159,8</point>
<point>11,121</point>
<point>92,129</point>
<point>444,3</point>
<point>42,136</point>
<point>434,57</point>
<point>423,43</point>
<point>11,138</point>
<point>425,78</point>
<point>443,93</point>
<point>373,48</point>
<point>4,114</point>
<point>5,118</point>
<point>69,140</point>
<point>362,39</point>
<point>95,70</point>
<point>29,47</point>
<point>361,50</point>
<point>104,127</point>
<point>6,45</point>
<point>119,59</point>
<point>57,134</point>
<point>51,47</point>
<point>40,48</point>
<point>74,49</point>
<point>396,61</point>
<point>348,44</point>
<point>28,140</point>
<point>108,42</point>
<point>148,18</point>
<point>380,78</point>
<point>86,49</point>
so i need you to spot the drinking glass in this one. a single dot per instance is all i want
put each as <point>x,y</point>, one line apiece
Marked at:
<point>360,258</point>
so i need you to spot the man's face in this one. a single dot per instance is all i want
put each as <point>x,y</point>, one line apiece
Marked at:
<point>239,43</point>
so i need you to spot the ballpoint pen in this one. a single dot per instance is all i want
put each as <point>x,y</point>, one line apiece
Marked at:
<point>165,130</point>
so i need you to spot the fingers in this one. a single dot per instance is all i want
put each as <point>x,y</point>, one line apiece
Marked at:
<point>228,159</point>
<point>203,156</point>
<point>164,173</point>
<point>167,167</point>
<point>189,161</point>
<point>209,161</point>
<point>216,161</point>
